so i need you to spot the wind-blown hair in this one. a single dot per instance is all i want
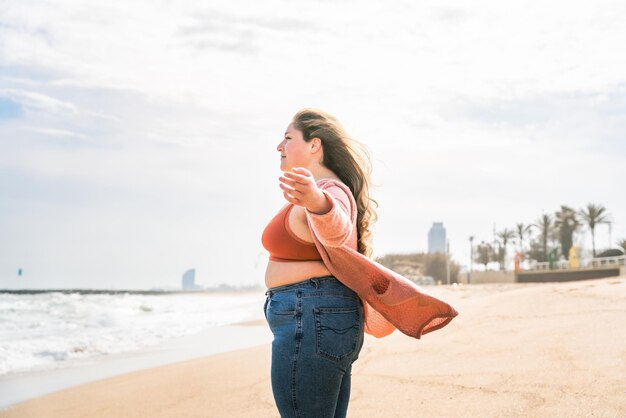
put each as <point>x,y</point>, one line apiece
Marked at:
<point>349,160</point>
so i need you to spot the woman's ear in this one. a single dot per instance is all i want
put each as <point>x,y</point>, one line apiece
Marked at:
<point>316,144</point>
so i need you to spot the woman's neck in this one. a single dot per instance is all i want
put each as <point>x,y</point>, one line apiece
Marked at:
<point>321,172</point>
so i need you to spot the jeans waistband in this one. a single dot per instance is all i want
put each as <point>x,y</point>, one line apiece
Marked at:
<point>313,281</point>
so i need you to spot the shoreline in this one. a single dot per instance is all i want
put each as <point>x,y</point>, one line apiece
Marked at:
<point>23,386</point>
<point>515,350</point>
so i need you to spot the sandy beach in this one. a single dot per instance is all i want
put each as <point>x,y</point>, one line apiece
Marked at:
<point>515,350</point>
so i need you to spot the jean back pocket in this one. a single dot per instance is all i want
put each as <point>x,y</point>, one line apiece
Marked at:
<point>337,331</point>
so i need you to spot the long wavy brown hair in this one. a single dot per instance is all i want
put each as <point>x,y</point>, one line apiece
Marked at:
<point>350,160</point>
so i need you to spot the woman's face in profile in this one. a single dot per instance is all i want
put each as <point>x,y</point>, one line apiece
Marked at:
<point>293,150</point>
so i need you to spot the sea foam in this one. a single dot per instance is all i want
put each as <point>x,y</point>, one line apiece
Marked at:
<point>39,331</point>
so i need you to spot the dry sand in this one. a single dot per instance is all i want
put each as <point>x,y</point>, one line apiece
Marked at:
<point>515,350</point>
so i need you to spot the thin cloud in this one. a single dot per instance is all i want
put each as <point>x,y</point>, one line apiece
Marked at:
<point>38,101</point>
<point>57,132</point>
<point>244,44</point>
<point>453,15</point>
<point>210,22</point>
<point>235,32</point>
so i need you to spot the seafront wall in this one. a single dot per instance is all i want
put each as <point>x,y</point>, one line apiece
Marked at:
<point>534,276</point>
<point>481,277</point>
<point>566,275</point>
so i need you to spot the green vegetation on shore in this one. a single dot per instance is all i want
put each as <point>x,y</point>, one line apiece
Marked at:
<point>415,266</point>
<point>551,236</point>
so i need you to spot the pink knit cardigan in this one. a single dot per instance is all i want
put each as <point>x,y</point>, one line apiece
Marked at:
<point>390,300</point>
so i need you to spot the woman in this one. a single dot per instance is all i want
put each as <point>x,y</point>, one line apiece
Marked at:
<point>316,320</point>
<point>323,289</point>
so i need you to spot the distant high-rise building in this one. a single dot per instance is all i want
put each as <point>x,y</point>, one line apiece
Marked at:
<point>189,279</point>
<point>437,238</point>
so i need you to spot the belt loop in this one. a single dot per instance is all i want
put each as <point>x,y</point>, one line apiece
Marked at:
<point>316,282</point>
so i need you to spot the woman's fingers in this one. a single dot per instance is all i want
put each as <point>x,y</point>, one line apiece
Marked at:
<point>290,183</point>
<point>297,181</point>
<point>289,198</point>
<point>298,187</point>
<point>287,180</point>
<point>292,191</point>
<point>298,178</point>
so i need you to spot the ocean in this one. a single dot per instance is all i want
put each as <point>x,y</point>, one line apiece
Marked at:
<point>52,330</point>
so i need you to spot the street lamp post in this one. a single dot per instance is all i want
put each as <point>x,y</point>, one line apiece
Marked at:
<point>469,274</point>
<point>448,262</point>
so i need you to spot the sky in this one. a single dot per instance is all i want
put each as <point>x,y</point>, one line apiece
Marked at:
<point>138,139</point>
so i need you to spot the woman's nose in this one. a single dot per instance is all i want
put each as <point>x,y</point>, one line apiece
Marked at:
<point>279,148</point>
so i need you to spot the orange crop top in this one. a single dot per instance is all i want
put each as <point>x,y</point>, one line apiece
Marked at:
<point>281,242</point>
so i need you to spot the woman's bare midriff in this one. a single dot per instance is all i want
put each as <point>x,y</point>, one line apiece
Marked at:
<point>280,273</point>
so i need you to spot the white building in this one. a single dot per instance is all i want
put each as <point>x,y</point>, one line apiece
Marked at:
<point>189,280</point>
<point>437,238</point>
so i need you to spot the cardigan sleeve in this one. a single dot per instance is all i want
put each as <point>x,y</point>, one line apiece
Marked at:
<point>334,227</point>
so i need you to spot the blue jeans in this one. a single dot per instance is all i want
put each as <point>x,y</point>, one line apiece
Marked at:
<point>318,334</point>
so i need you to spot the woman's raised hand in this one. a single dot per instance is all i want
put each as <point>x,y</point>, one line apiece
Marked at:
<point>299,188</point>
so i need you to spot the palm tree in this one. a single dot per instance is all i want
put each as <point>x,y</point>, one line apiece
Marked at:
<point>594,215</point>
<point>505,236</point>
<point>522,231</point>
<point>484,253</point>
<point>544,225</point>
<point>566,224</point>
<point>622,243</point>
